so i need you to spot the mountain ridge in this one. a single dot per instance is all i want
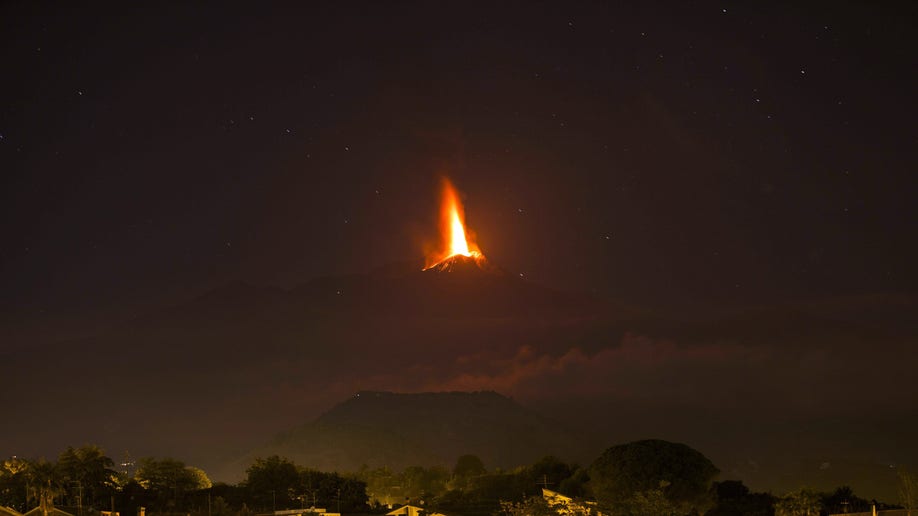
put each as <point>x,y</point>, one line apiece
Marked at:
<point>397,430</point>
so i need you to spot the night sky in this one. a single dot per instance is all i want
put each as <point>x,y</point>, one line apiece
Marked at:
<point>693,159</point>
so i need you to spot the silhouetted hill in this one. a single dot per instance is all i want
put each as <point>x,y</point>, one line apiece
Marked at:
<point>458,287</point>
<point>400,430</point>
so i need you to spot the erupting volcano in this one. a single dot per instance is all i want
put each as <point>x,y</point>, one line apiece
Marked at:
<point>457,251</point>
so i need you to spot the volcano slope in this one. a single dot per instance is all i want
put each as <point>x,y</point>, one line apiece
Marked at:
<point>209,379</point>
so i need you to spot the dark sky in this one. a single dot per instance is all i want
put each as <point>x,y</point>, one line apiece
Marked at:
<point>682,156</point>
<point>690,152</point>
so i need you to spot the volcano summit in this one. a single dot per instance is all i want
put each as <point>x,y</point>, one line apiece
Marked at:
<point>474,263</point>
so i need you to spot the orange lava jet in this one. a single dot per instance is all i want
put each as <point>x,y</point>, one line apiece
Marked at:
<point>454,240</point>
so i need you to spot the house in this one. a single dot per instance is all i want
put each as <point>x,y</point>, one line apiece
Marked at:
<point>406,510</point>
<point>51,512</point>
<point>411,510</point>
<point>567,505</point>
<point>309,511</point>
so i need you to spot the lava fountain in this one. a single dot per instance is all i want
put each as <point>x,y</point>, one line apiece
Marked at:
<point>454,240</point>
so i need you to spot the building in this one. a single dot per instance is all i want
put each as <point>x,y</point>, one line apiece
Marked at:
<point>51,512</point>
<point>309,511</point>
<point>567,505</point>
<point>411,510</point>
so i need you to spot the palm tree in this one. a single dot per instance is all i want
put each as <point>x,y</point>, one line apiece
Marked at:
<point>44,484</point>
<point>89,468</point>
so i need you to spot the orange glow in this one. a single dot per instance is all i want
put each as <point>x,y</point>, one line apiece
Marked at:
<point>454,238</point>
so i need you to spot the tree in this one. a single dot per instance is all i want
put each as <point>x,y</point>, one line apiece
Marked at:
<point>555,474</point>
<point>624,471</point>
<point>197,479</point>
<point>273,482</point>
<point>551,470</point>
<point>169,480</point>
<point>245,511</point>
<point>512,486</point>
<point>381,483</point>
<point>844,500</point>
<point>332,490</point>
<point>467,503</point>
<point>652,502</point>
<point>234,495</point>
<point>351,494</point>
<point>133,495</point>
<point>419,483</point>
<point>539,506</point>
<point>467,467</point>
<point>44,484</point>
<point>576,484</point>
<point>532,506</point>
<point>803,502</point>
<point>734,499</point>
<point>908,490</point>
<point>14,483</point>
<point>87,474</point>
<point>219,507</point>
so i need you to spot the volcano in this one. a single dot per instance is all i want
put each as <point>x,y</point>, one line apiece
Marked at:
<point>475,263</point>
<point>256,358</point>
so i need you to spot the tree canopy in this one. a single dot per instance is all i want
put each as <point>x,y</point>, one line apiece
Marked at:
<point>169,480</point>
<point>87,472</point>
<point>642,478</point>
<point>276,483</point>
<point>273,482</point>
<point>683,475</point>
<point>803,502</point>
<point>733,498</point>
<point>469,466</point>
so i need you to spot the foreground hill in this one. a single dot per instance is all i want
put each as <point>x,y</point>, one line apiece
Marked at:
<point>399,430</point>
